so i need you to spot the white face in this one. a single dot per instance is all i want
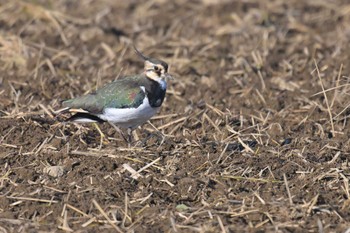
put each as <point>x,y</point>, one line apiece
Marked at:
<point>155,71</point>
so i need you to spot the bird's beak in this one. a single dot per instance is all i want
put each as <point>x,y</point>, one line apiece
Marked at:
<point>168,76</point>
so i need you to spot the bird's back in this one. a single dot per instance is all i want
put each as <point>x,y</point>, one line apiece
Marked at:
<point>121,93</point>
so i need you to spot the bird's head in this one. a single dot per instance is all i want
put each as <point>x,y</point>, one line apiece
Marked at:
<point>155,69</point>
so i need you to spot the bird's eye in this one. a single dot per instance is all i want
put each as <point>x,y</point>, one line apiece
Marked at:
<point>156,68</point>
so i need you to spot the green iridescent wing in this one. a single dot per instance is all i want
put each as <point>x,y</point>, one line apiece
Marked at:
<point>123,93</point>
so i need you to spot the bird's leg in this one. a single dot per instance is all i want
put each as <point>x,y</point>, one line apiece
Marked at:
<point>158,133</point>
<point>129,136</point>
<point>119,131</point>
<point>103,139</point>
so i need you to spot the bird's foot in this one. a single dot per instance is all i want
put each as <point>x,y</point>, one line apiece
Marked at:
<point>103,138</point>
<point>154,138</point>
<point>127,138</point>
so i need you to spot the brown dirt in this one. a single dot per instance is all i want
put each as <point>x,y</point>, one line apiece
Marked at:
<point>244,119</point>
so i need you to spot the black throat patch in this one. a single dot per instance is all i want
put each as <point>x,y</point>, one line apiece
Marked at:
<point>154,92</point>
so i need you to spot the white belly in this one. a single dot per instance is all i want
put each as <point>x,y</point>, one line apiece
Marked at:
<point>129,117</point>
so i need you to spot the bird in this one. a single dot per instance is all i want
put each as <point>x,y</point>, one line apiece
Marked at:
<point>127,102</point>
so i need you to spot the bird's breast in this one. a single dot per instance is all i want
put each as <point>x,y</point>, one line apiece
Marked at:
<point>130,117</point>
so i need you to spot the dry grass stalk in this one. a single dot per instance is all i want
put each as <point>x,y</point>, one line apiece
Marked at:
<point>91,220</point>
<point>287,188</point>
<point>137,174</point>
<point>326,98</point>
<point>126,202</point>
<point>106,216</point>
<point>32,199</point>
<point>172,123</point>
<point>65,225</point>
<point>223,230</point>
<point>77,210</point>
<point>134,174</point>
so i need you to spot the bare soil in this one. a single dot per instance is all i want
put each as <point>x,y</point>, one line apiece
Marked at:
<point>252,136</point>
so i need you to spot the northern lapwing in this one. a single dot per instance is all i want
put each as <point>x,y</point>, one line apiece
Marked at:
<point>127,102</point>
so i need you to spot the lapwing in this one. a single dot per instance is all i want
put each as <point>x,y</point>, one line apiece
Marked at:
<point>127,102</point>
